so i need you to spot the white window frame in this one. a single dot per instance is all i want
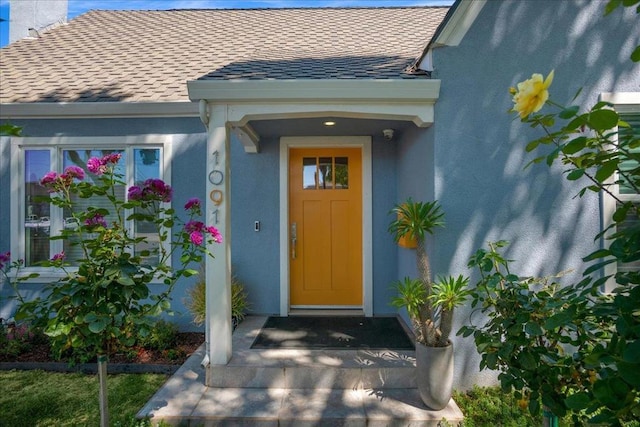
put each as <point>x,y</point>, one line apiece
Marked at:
<point>56,145</point>
<point>623,102</point>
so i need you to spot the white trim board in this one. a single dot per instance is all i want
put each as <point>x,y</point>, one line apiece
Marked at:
<point>79,110</point>
<point>364,142</point>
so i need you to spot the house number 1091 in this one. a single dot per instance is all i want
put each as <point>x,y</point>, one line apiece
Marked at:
<point>216,177</point>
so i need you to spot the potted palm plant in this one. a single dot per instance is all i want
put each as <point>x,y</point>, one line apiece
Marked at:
<point>429,305</point>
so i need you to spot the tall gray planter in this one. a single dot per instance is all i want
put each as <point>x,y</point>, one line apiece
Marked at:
<point>435,374</point>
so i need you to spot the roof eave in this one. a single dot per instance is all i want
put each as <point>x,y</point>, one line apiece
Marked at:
<point>452,29</point>
<point>79,110</point>
<point>316,91</point>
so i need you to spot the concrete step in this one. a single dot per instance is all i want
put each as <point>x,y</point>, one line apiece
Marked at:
<point>304,407</point>
<point>296,388</point>
<point>304,369</point>
<point>310,369</point>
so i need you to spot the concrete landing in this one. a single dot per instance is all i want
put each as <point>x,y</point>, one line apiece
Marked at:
<point>296,388</point>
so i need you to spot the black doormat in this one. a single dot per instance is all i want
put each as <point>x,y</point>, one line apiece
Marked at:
<point>338,332</point>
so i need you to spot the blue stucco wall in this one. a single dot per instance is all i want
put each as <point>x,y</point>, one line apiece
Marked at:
<point>255,256</point>
<point>384,169</point>
<point>479,154</point>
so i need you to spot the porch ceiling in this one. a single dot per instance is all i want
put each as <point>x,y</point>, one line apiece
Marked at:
<point>315,127</point>
<point>266,103</point>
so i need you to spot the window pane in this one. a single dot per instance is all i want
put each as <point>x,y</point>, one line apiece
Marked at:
<point>326,173</point>
<point>631,170</point>
<point>147,166</point>
<point>37,223</point>
<point>79,158</point>
<point>631,221</point>
<point>631,167</point>
<point>309,173</point>
<point>342,172</point>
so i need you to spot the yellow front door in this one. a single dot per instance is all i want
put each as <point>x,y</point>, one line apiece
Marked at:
<point>325,228</point>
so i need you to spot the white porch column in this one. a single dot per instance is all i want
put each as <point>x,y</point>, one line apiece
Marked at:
<point>218,270</point>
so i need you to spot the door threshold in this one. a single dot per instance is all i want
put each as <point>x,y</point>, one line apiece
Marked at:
<point>325,312</point>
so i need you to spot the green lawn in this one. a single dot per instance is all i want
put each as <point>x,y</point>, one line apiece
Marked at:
<point>39,399</point>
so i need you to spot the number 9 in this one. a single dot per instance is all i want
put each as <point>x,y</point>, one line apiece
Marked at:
<point>216,197</point>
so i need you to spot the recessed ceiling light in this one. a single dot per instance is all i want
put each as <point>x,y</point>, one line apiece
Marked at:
<point>329,123</point>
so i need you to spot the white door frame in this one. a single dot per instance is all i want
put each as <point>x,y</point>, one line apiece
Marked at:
<point>363,142</point>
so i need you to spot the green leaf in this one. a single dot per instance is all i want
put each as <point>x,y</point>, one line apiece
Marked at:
<point>601,253</point>
<point>597,266</point>
<point>126,281</point>
<point>635,56</point>
<point>576,123</point>
<point>603,391</point>
<point>527,361</point>
<point>98,325</point>
<point>559,319</point>
<point>611,6</point>
<point>632,352</point>
<point>492,360</point>
<point>630,372</point>
<point>533,329</point>
<point>569,112</point>
<point>600,120</point>
<point>534,406</point>
<point>575,174</point>
<point>575,145</point>
<point>7,129</point>
<point>621,213</point>
<point>578,401</point>
<point>532,145</point>
<point>606,170</point>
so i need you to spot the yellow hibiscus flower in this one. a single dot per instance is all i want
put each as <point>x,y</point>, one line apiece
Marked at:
<point>531,94</point>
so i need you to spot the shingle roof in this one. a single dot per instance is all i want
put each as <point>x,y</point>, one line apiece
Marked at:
<point>137,56</point>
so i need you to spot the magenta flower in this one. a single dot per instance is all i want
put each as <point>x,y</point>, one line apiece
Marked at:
<point>194,226</point>
<point>74,172</point>
<point>4,259</point>
<point>192,203</point>
<point>49,181</point>
<point>111,158</point>
<point>195,229</point>
<point>58,257</point>
<point>99,166</point>
<point>156,189</point>
<point>96,220</point>
<point>134,193</point>
<point>196,237</point>
<point>215,234</point>
<point>96,166</point>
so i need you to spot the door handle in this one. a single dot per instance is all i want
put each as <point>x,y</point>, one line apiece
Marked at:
<point>294,238</point>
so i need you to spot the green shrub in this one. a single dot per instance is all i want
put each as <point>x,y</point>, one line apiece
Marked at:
<point>196,301</point>
<point>16,339</point>
<point>239,303</point>
<point>484,406</point>
<point>162,336</point>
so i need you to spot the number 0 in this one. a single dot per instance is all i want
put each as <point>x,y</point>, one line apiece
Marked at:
<point>216,177</point>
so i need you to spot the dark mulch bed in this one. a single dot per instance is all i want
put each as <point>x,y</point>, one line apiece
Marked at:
<point>186,344</point>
